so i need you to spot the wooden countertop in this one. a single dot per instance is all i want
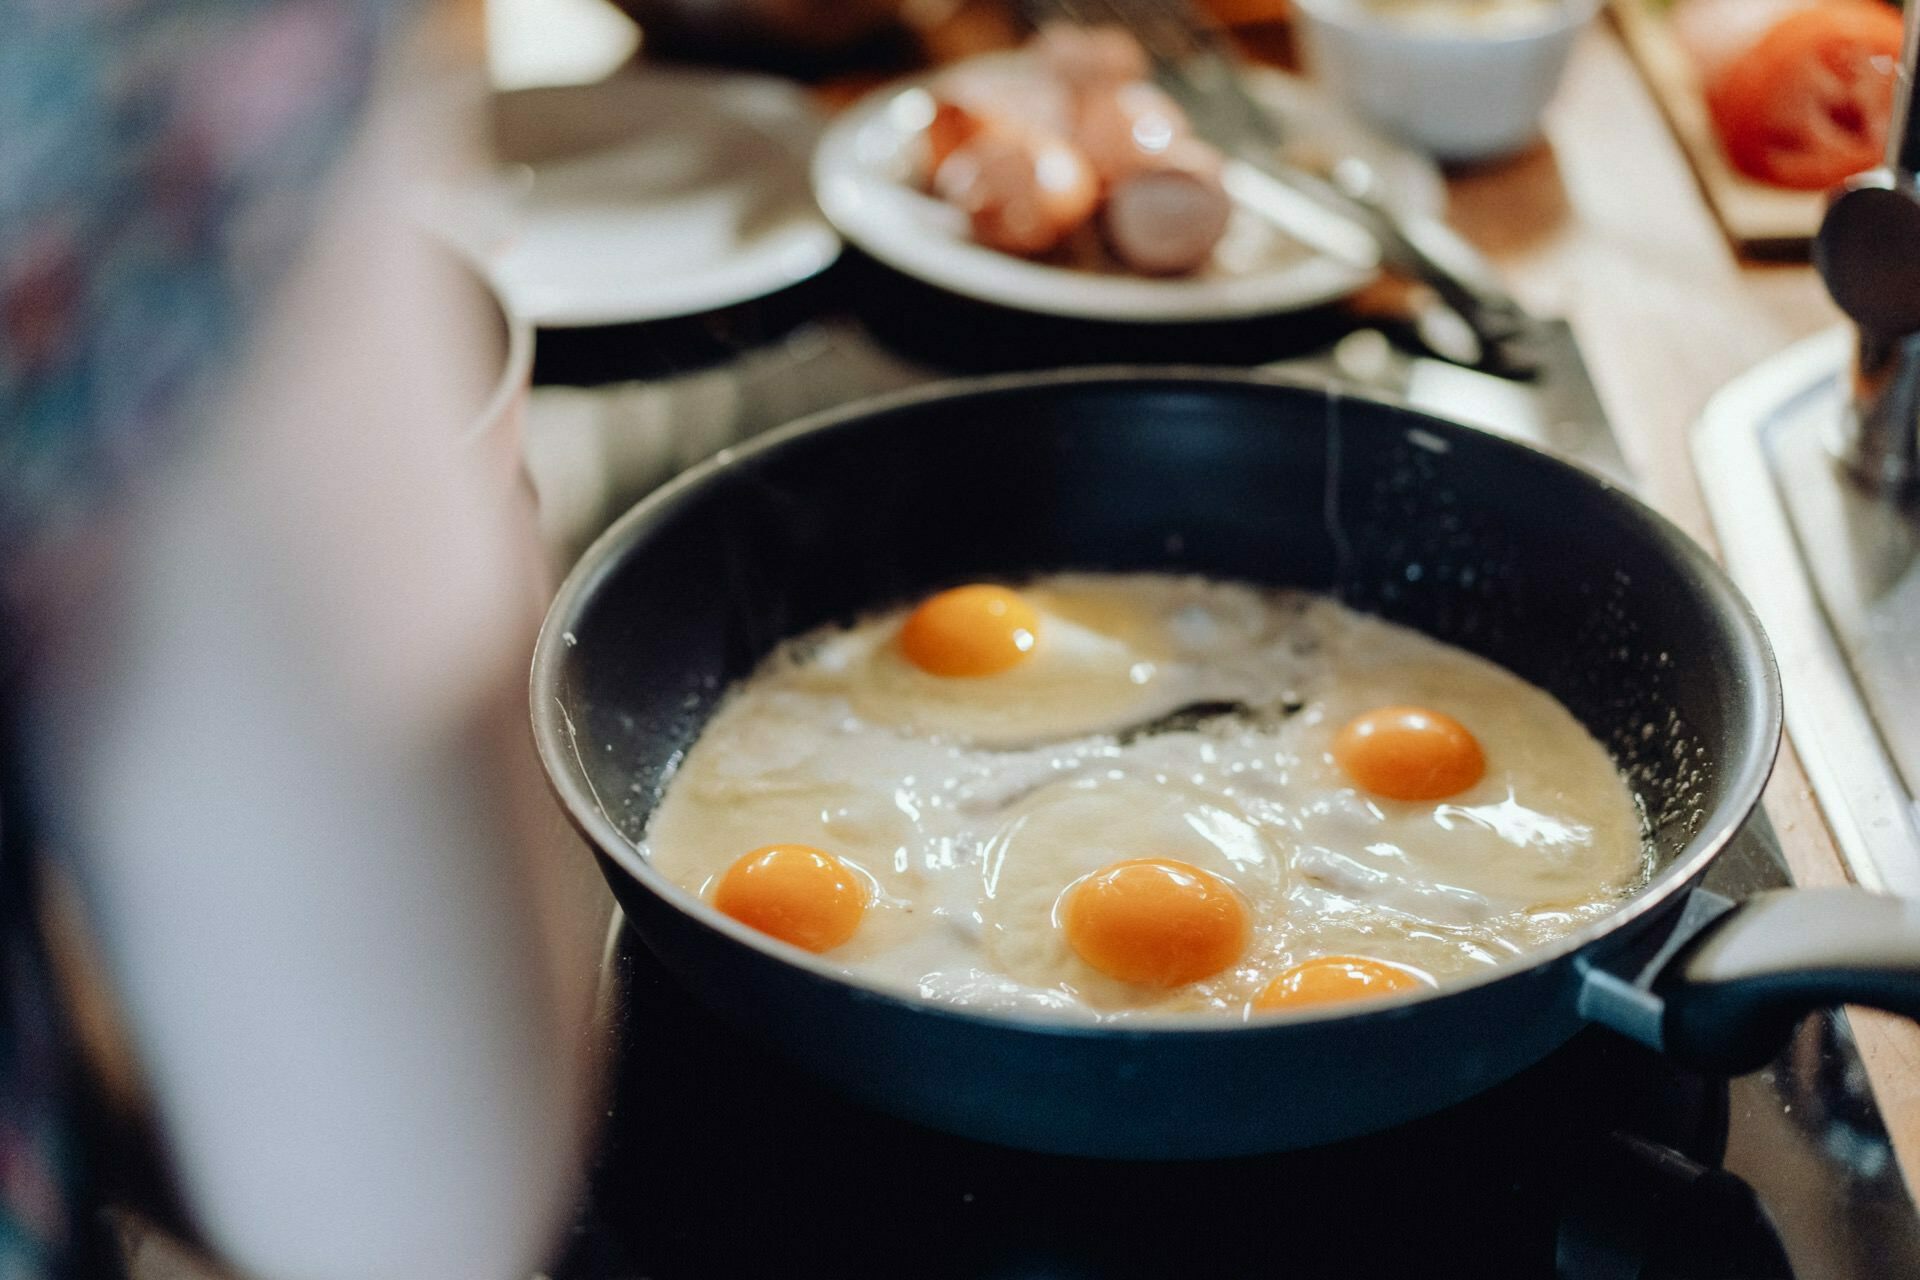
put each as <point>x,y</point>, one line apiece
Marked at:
<point>1605,224</point>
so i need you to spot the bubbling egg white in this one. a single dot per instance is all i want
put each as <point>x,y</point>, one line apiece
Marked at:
<point>1110,651</point>
<point>971,806</point>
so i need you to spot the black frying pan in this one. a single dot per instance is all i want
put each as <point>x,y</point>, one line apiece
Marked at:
<point>1481,542</point>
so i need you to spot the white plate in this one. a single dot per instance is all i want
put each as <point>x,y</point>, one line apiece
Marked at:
<point>863,176</point>
<point>656,194</point>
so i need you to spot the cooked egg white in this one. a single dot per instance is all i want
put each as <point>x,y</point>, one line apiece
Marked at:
<point>1107,652</point>
<point>972,806</point>
<point>1063,833</point>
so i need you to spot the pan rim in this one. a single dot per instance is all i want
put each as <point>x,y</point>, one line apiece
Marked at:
<point>553,730</point>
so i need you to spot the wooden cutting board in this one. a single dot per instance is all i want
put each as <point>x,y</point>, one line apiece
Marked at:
<point>1761,221</point>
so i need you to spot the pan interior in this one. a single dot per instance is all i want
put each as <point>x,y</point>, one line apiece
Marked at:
<point>1478,542</point>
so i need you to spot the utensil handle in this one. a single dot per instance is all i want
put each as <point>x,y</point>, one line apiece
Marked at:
<point>1433,253</point>
<point>1426,249</point>
<point>1736,993</point>
<point>1726,995</point>
<point>1903,135</point>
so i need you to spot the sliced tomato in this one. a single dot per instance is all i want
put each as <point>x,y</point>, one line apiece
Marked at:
<point>1807,104</point>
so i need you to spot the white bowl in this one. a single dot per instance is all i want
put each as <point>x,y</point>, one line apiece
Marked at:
<point>1466,88</point>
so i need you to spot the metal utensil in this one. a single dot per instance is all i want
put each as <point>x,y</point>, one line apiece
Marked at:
<point>1337,214</point>
<point>1810,464</point>
<point>1860,251</point>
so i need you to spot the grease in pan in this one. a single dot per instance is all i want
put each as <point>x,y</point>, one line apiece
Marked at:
<point>1112,796</point>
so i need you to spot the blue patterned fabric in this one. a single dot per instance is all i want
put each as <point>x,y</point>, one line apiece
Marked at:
<point>158,163</point>
<point>38,1169</point>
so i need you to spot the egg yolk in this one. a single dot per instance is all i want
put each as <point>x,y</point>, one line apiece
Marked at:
<point>1156,921</point>
<point>1409,753</point>
<point>1331,978</point>
<point>979,630</point>
<point>797,893</point>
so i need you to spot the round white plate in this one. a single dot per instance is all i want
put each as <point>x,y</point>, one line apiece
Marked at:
<point>655,194</point>
<point>863,176</point>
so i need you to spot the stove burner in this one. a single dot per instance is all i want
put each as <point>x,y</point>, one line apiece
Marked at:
<point>1603,1161</point>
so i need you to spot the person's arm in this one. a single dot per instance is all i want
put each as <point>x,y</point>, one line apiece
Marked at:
<point>273,746</point>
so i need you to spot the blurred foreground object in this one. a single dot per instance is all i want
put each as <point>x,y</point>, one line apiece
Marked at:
<point>272,593</point>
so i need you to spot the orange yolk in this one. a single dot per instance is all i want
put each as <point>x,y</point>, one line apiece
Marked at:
<point>1156,921</point>
<point>796,893</point>
<point>1409,753</point>
<point>979,630</point>
<point>1331,978</point>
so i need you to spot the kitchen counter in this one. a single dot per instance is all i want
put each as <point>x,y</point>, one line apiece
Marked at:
<point>1604,223</point>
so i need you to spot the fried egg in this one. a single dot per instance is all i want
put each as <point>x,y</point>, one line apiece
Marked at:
<point>989,666</point>
<point>1057,874</point>
<point>1119,796</point>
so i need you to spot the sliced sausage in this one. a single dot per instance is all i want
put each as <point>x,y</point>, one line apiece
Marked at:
<point>1090,57</point>
<point>1124,128</point>
<point>1023,192</point>
<point>952,127</point>
<point>1166,218</point>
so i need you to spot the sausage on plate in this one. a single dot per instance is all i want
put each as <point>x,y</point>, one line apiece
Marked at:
<point>1023,192</point>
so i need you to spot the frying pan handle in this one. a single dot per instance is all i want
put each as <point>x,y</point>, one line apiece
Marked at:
<point>1734,981</point>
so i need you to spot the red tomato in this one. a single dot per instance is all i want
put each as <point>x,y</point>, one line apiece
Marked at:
<point>1807,105</point>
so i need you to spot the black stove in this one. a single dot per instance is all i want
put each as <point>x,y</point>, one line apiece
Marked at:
<point>718,1160</point>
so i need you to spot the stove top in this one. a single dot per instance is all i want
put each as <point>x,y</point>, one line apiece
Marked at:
<point>718,1160</point>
